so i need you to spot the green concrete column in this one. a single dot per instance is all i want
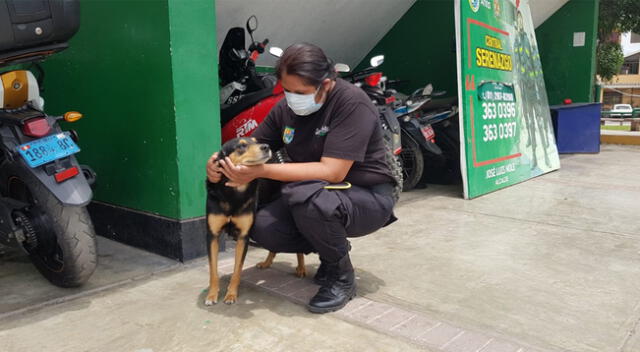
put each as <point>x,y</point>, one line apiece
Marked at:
<point>194,63</point>
<point>144,73</point>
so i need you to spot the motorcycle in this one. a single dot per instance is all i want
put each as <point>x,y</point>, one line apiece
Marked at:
<point>430,146</point>
<point>43,189</point>
<point>246,96</point>
<point>373,83</point>
<point>447,137</point>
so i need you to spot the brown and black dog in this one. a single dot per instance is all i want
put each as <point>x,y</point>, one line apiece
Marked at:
<point>233,209</point>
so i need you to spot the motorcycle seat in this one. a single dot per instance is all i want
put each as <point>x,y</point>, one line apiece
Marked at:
<point>18,117</point>
<point>30,54</point>
<point>442,103</point>
<point>249,100</point>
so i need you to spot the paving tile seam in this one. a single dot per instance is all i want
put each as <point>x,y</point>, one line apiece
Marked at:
<point>380,315</point>
<point>373,315</point>
<point>420,335</point>
<point>413,341</point>
<point>453,339</point>
<point>599,232</point>
<point>631,332</point>
<point>481,349</point>
<point>403,322</point>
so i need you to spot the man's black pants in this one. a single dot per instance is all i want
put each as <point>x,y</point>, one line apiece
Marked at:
<point>309,218</point>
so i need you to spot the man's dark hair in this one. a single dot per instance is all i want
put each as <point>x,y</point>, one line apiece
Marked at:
<point>308,62</point>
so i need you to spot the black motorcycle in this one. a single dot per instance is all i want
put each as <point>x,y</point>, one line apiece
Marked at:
<point>237,66</point>
<point>373,83</point>
<point>43,189</point>
<point>430,142</point>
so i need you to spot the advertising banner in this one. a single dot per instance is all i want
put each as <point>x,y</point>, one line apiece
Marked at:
<point>506,131</point>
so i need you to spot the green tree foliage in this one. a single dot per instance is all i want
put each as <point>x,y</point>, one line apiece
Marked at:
<point>616,16</point>
<point>610,59</point>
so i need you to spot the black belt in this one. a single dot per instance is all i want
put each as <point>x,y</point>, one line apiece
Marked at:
<point>385,189</point>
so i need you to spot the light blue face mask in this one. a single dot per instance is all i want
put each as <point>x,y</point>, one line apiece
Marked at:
<point>303,104</point>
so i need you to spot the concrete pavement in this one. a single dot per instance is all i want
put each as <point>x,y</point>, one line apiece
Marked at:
<point>552,264</point>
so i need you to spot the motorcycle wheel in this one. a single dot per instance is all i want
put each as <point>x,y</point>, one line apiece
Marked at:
<point>412,162</point>
<point>448,139</point>
<point>395,164</point>
<point>61,240</point>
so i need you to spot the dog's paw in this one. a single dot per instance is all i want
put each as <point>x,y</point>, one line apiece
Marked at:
<point>230,298</point>
<point>210,302</point>
<point>212,298</point>
<point>301,272</point>
<point>263,265</point>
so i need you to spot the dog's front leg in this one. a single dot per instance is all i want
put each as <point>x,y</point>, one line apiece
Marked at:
<point>216,224</point>
<point>243,224</point>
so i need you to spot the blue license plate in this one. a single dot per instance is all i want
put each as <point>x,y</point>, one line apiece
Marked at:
<point>48,149</point>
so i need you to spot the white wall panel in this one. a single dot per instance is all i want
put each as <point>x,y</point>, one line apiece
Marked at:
<point>346,29</point>
<point>543,9</point>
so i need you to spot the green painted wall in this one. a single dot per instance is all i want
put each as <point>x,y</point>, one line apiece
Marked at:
<point>420,47</point>
<point>144,75</point>
<point>569,72</point>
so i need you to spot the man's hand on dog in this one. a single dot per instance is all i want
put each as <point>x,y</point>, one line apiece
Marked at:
<point>239,175</point>
<point>214,172</point>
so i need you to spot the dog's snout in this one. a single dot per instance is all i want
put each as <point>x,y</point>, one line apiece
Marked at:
<point>264,147</point>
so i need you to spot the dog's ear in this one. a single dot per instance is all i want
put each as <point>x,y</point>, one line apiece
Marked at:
<point>228,148</point>
<point>221,155</point>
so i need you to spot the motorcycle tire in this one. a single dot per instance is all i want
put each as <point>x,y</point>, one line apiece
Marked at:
<point>448,139</point>
<point>65,249</point>
<point>412,162</point>
<point>395,165</point>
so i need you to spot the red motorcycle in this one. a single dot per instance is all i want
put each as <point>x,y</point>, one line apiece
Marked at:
<point>247,97</point>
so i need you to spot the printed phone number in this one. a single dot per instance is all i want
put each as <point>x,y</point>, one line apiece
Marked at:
<point>494,132</point>
<point>500,110</point>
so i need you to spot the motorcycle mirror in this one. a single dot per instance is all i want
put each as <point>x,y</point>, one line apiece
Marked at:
<point>252,24</point>
<point>275,51</point>
<point>376,60</point>
<point>428,89</point>
<point>342,68</point>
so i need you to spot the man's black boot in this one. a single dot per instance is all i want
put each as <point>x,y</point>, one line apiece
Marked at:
<point>321,278</point>
<point>339,289</point>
